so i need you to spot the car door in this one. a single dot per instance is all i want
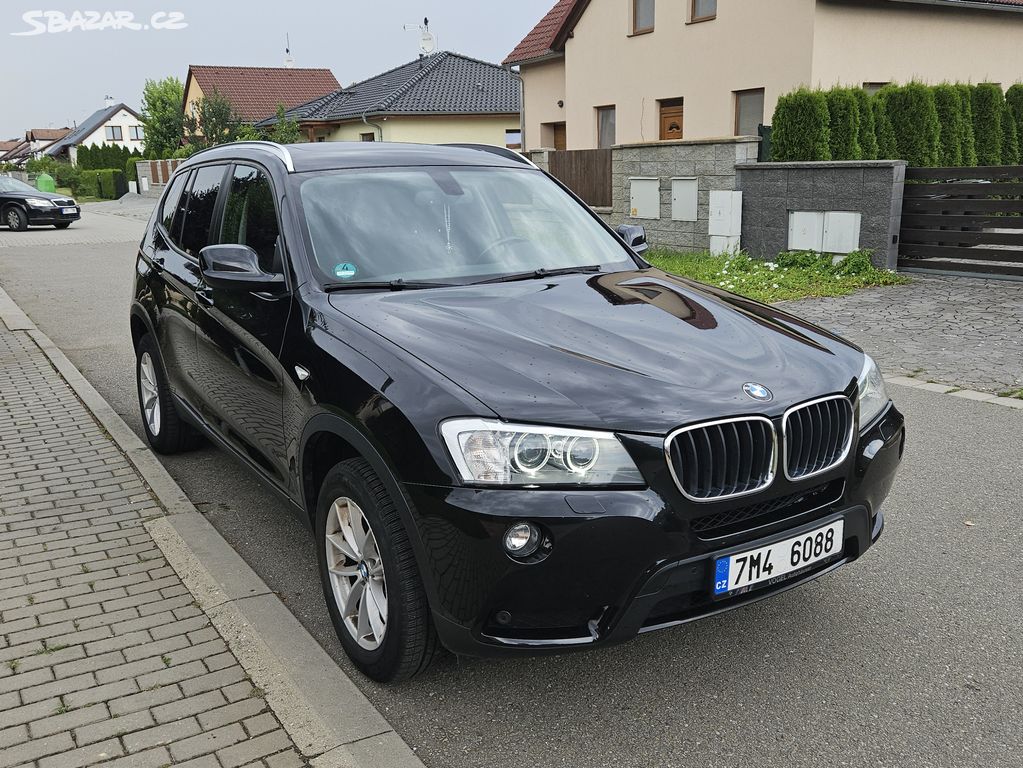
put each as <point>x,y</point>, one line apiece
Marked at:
<point>172,278</point>
<point>240,332</point>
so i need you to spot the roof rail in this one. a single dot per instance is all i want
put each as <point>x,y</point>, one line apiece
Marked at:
<point>494,149</point>
<point>278,150</point>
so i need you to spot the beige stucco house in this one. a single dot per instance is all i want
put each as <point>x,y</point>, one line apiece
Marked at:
<point>602,72</point>
<point>443,97</point>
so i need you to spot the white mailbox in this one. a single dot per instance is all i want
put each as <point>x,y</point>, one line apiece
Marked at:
<point>645,198</point>
<point>841,231</point>
<point>806,231</point>
<point>684,199</point>
<point>725,213</point>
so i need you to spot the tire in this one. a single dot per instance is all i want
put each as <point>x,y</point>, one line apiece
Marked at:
<point>408,642</point>
<point>15,219</point>
<point>63,225</point>
<point>166,431</point>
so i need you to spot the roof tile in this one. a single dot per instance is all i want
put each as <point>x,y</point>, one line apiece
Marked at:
<point>255,92</point>
<point>540,40</point>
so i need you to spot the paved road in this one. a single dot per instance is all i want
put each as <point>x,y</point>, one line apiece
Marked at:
<point>910,657</point>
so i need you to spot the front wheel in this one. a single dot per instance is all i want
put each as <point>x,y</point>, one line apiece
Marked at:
<point>15,219</point>
<point>370,579</point>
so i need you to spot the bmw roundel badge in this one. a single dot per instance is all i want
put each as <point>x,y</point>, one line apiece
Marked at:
<point>757,391</point>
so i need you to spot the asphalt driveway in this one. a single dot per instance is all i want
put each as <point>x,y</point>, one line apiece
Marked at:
<point>909,657</point>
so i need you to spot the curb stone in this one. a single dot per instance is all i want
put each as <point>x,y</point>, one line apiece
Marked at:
<point>330,721</point>
<point>945,389</point>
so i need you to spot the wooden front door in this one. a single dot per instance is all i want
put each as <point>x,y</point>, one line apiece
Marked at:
<point>560,136</point>
<point>671,123</point>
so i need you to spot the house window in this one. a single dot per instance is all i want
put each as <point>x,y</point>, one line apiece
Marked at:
<point>749,111</point>
<point>513,138</point>
<point>135,132</point>
<point>113,133</point>
<point>605,127</point>
<point>703,10</point>
<point>642,16</point>
<point>367,137</point>
<point>872,88</point>
<point>671,119</point>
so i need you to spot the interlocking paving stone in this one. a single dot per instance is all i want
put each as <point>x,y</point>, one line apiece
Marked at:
<point>105,659</point>
<point>961,331</point>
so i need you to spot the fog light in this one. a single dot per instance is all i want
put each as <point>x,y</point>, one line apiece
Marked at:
<point>521,539</point>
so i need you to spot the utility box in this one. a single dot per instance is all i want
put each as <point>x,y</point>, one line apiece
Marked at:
<point>645,198</point>
<point>725,213</point>
<point>45,183</point>
<point>824,231</point>
<point>684,197</point>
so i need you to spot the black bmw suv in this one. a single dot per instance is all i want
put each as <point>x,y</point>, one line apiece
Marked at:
<point>507,431</point>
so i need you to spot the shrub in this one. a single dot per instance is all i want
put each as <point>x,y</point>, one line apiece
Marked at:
<point>800,127</point>
<point>843,124</point>
<point>987,102</point>
<point>949,104</point>
<point>88,184</point>
<point>969,141</point>
<point>1010,136</point>
<point>914,120</point>
<point>1014,98</point>
<point>886,146</point>
<point>868,131</point>
<point>130,171</point>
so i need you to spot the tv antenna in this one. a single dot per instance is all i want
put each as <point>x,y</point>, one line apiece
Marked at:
<point>289,60</point>
<point>427,40</point>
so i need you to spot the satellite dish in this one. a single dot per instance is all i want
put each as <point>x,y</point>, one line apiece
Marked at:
<point>427,42</point>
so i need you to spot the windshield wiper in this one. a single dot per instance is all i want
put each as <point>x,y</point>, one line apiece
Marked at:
<point>390,285</point>
<point>540,273</point>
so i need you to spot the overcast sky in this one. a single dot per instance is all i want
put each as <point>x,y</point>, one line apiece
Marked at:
<point>58,78</point>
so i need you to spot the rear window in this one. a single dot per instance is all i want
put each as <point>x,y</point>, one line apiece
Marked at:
<point>202,200</point>
<point>171,207</point>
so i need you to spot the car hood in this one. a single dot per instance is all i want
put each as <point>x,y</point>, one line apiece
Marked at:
<point>638,351</point>
<point>24,195</point>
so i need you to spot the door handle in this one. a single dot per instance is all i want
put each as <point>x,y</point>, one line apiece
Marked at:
<point>202,295</point>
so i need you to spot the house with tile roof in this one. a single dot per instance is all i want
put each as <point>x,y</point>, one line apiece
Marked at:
<point>116,124</point>
<point>443,97</point>
<point>601,72</point>
<point>19,151</point>
<point>256,92</point>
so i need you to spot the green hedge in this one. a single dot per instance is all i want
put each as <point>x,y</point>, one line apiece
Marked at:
<point>914,120</point>
<point>949,104</point>
<point>843,124</point>
<point>886,146</point>
<point>102,156</point>
<point>1010,137</point>
<point>801,127</point>
<point>868,131</point>
<point>987,122</point>
<point>969,140</point>
<point>107,183</point>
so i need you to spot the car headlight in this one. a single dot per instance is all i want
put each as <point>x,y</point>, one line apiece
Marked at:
<point>873,397</point>
<point>38,202</point>
<point>495,453</point>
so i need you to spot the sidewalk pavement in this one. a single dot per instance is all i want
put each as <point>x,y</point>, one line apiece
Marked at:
<point>131,635</point>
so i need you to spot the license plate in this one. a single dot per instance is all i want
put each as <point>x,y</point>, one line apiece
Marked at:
<point>774,561</point>
<point>67,211</point>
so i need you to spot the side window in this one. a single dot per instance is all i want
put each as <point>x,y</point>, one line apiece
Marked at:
<point>202,199</point>
<point>250,217</point>
<point>171,205</point>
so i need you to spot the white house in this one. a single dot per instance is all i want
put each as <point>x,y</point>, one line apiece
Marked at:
<point>115,124</point>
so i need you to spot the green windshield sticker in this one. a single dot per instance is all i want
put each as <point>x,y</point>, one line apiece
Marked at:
<point>345,271</point>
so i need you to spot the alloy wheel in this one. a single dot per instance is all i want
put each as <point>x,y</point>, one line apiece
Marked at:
<point>12,219</point>
<point>356,573</point>
<point>150,393</point>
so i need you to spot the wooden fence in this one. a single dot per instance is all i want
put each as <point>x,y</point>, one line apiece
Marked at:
<point>963,220</point>
<point>587,172</point>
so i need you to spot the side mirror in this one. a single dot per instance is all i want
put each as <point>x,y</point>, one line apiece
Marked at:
<point>235,267</point>
<point>634,237</point>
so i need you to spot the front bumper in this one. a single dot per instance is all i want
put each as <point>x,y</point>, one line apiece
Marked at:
<point>54,215</point>
<point>627,561</point>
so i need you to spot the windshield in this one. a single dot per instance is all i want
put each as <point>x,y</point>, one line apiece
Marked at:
<point>460,224</point>
<point>8,184</point>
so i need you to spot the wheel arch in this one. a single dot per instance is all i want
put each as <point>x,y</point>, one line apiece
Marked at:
<point>141,324</point>
<point>329,439</point>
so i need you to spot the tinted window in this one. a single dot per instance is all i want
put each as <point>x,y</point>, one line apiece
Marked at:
<point>202,199</point>
<point>170,204</point>
<point>250,217</point>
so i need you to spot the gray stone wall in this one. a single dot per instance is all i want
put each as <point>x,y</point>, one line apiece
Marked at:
<point>711,161</point>
<point>772,190</point>
<point>156,173</point>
